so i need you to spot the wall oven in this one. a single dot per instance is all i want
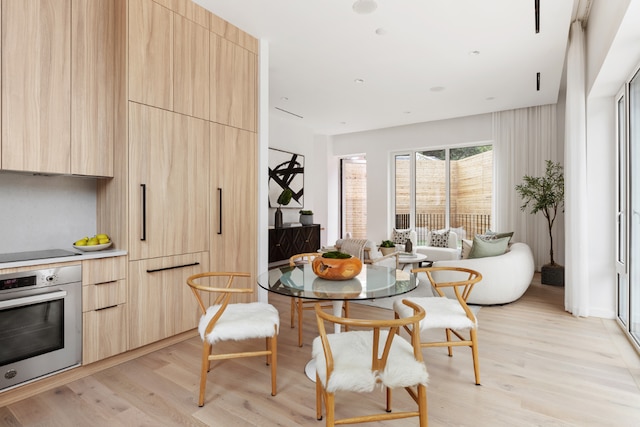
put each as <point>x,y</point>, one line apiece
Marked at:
<point>40,323</point>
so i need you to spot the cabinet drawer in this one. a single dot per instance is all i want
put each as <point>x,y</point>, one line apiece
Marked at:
<point>103,270</point>
<point>103,295</point>
<point>104,333</point>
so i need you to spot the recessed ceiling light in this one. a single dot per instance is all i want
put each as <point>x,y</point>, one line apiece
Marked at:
<point>407,112</point>
<point>489,98</point>
<point>363,7</point>
<point>437,89</point>
<point>474,53</point>
<point>284,98</point>
<point>381,31</point>
<point>343,123</point>
<point>359,80</point>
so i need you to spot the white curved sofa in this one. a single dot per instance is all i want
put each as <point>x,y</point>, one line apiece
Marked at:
<point>505,278</point>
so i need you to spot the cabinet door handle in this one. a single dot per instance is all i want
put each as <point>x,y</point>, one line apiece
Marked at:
<point>106,308</point>
<point>172,267</point>
<point>219,210</point>
<point>144,211</point>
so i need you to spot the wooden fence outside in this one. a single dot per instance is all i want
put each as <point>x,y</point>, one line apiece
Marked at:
<point>470,195</point>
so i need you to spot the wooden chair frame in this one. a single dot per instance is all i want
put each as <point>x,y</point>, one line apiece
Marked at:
<point>223,299</point>
<point>299,305</point>
<point>462,289</point>
<point>418,393</point>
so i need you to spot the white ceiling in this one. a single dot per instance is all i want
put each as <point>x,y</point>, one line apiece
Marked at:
<point>421,69</point>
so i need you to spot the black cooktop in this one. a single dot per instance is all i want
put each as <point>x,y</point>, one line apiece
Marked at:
<point>28,256</point>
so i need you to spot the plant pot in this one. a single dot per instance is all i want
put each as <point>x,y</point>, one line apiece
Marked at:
<point>552,274</point>
<point>306,219</point>
<point>387,251</point>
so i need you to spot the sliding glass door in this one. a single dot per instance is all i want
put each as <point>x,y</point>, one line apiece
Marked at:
<point>634,188</point>
<point>445,188</point>
<point>628,209</point>
<point>622,278</point>
<point>353,191</point>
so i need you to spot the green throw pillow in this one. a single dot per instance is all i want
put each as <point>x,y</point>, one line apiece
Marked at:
<point>485,248</point>
<point>501,235</point>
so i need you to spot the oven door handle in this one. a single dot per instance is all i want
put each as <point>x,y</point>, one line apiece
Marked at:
<point>32,299</point>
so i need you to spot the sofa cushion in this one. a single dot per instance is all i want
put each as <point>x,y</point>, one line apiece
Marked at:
<point>494,235</point>
<point>482,248</point>
<point>466,248</point>
<point>400,237</point>
<point>440,239</point>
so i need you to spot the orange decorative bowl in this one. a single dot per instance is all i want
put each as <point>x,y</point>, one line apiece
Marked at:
<point>336,268</point>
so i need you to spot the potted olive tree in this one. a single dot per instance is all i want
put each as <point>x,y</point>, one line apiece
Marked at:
<point>546,194</point>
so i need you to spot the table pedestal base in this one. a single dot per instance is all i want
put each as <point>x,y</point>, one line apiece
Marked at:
<point>310,367</point>
<point>310,370</point>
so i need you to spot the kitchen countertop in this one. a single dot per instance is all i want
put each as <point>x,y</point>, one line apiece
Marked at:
<point>80,257</point>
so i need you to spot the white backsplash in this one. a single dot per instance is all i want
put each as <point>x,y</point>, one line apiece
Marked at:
<point>45,212</point>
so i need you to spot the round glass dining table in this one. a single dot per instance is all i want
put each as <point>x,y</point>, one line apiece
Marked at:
<point>373,282</point>
<point>301,282</point>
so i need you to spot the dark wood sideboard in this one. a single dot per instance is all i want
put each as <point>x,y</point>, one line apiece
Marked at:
<point>288,241</point>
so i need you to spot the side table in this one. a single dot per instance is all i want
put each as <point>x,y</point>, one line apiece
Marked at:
<point>414,259</point>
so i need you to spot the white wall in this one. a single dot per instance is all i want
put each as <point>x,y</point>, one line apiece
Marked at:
<point>45,212</point>
<point>600,238</point>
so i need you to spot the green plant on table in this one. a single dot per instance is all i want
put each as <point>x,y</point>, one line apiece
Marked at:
<point>387,244</point>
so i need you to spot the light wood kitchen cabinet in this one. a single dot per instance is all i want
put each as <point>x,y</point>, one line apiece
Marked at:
<point>104,312</point>
<point>168,183</point>
<point>36,85</point>
<point>234,188</point>
<point>191,68</point>
<point>58,96</point>
<point>160,303</point>
<point>93,87</point>
<point>233,84</point>
<point>151,59</point>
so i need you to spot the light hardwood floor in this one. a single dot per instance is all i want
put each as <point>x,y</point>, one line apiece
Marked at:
<point>539,366</point>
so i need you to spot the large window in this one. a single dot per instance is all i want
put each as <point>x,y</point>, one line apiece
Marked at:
<point>628,208</point>
<point>353,189</point>
<point>446,188</point>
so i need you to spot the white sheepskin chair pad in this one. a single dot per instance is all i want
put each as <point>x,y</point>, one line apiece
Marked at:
<point>440,313</point>
<point>352,363</point>
<point>240,322</point>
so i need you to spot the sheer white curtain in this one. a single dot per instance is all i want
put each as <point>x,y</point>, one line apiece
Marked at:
<point>576,295</point>
<point>523,140</point>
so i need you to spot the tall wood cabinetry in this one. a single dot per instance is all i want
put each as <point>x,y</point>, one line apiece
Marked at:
<point>57,86</point>
<point>168,183</point>
<point>178,157</point>
<point>234,229</point>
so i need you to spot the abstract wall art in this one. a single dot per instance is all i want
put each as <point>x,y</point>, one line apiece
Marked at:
<point>286,170</point>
